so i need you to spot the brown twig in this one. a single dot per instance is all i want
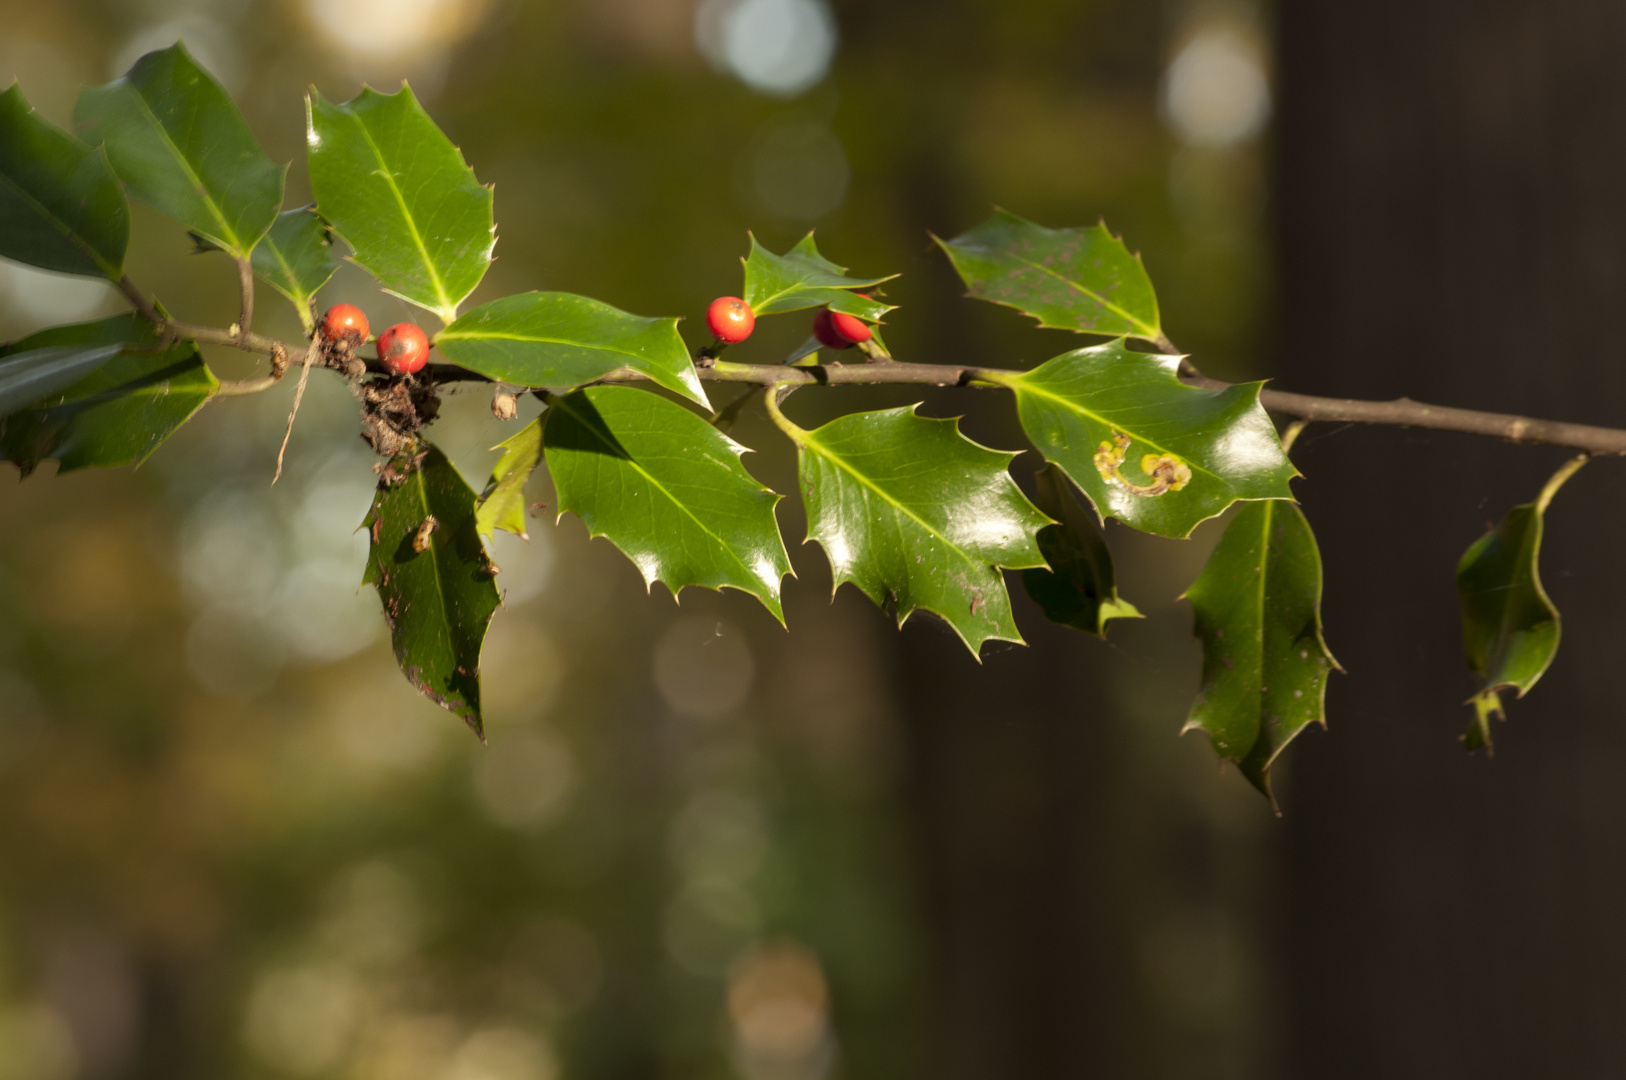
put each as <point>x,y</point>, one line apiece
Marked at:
<point>245,284</point>
<point>1402,412</point>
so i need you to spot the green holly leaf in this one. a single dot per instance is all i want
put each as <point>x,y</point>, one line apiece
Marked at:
<point>1509,625</point>
<point>802,278</point>
<point>918,517</point>
<point>560,340</point>
<point>502,503</point>
<point>28,377</point>
<point>61,207</point>
<point>178,142</point>
<point>393,185</point>
<point>296,259</point>
<point>434,578</point>
<point>666,488</point>
<point>1258,613</point>
<point>1146,448</point>
<point>1077,588</point>
<point>117,413</point>
<point>1070,279</point>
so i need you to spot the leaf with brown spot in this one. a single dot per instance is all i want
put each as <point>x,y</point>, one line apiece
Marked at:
<point>437,600</point>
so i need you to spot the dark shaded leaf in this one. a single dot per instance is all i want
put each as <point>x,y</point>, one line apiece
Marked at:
<point>502,503</point>
<point>666,488</point>
<point>802,278</point>
<point>1258,612</point>
<point>561,340</point>
<point>177,140</point>
<point>61,207</point>
<point>393,185</point>
<point>1510,627</point>
<point>919,517</point>
<point>27,377</point>
<point>1147,449</point>
<point>296,259</point>
<point>1071,279</point>
<point>117,414</point>
<point>1077,589</point>
<point>435,580</point>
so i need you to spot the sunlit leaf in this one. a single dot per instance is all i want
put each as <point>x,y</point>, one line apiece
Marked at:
<point>61,207</point>
<point>919,517</point>
<point>1510,627</point>
<point>1258,613</point>
<point>296,258</point>
<point>1071,279</point>
<point>1077,588</point>
<point>435,581</point>
<point>502,503</point>
<point>666,488</point>
<point>1147,449</point>
<point>118,413</point>
<point>393,185</point>
<point>561,340</point>
<point>178,142</point>
<point>802,278</point>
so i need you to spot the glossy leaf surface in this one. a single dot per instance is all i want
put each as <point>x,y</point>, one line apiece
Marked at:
<point>61,207</point>
<point>561,340</point>
<point>393,185</point>
<point>1510,628</point>
<point>296,258</point>
<point>119,413</point>
<point>1078,588</point>
<point>666,488</point>
<point>919,517</point>
<point>502,503</point>
<point>435,581</point>
<point>1072,279</point>
<point>802,278</point>
<point>178,142</point>
<point>1258,613</point>
<point>27,377</point>
<point>1147,449</point>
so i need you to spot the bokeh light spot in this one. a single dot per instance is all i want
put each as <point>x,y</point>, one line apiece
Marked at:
<point>779,47</point>
<point>1214,92</point>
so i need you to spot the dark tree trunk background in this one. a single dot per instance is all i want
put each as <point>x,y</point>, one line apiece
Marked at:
<point>1452,198</point>
<point>1451,209</point>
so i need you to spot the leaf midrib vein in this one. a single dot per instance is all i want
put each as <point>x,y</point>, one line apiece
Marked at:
<point>1505,624</point>
<point>1148,330</point>
<point>67,231</point>
<point>1068,403</point>
<point>434,565</point>
<point>227,233</point>
<point>535,340</point>
<point>563,405</point>
<point>446,305</point>
<point>916,518</point>
<point>295,291</point>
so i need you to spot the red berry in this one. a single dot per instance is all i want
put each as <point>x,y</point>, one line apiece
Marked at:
<point>731,319</point>
<point>404,348</point>
<point>345,322</point>
<point>853,329</point>
<point>824,329</point>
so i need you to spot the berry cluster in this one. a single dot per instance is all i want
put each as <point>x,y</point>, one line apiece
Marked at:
<point>731,321</point>
<point>403,349</point>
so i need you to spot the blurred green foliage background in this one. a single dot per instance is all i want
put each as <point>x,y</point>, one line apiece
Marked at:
<point>234,843</point>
